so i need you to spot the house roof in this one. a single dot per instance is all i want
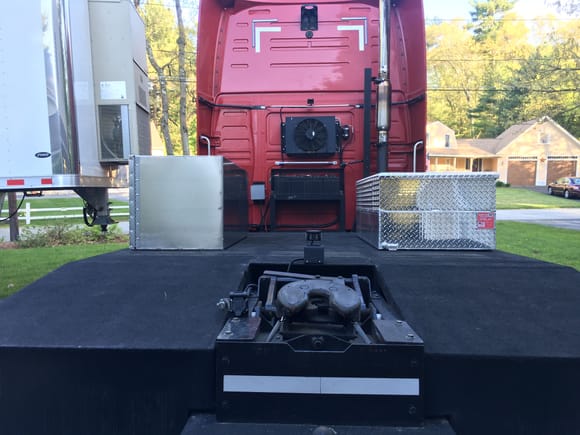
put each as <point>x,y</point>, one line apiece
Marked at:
<point>491,148</point>
<point>439,124</point>
<point>513,133</point>
<point>464,149</point>
<point>487,145</point>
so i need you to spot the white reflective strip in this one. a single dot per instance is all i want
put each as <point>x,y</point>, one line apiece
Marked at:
<point>260,30</point>
<point>361,34</point>
<point>321,385</point>
<point>271,384</point>
<point>371,386</point>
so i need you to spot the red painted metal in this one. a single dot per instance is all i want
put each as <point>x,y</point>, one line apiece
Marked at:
<point>256,67</point>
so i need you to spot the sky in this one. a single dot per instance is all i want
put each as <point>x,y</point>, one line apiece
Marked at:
<point>448,9</point>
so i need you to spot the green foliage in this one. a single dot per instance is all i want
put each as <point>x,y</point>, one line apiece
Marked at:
<point>454,74</point>
<point>64,234</point>
<point>501,184</point>
<point>568,7</point>
<point>161,32</point>
<point>550,75</point>
<point>500,70</point>
<point>487,17</point>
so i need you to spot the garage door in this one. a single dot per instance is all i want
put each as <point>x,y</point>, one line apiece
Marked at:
<point>560,168</point>
<point>522,173</point>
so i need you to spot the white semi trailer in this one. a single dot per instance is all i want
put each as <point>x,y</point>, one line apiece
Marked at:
<point>73,98</point>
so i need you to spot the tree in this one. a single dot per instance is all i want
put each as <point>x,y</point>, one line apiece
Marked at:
<point>454,75</point>
<point>171,64</point>
<point>162,83</point>
<point>487,17</point>
<point>181,43</point>
<point>567,7</point>
<point>504,49</point>
<point>550,77</point>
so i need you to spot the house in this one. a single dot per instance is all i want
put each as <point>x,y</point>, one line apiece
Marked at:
<point>447,154</point>
<point>533,153</point>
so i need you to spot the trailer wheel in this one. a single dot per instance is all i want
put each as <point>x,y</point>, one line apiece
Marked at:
<point>89,214</point>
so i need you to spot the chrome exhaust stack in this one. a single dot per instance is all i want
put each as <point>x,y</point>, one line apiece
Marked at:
<point>384,85</point>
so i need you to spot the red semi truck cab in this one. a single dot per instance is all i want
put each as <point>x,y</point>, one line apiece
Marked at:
<point>281,93</point>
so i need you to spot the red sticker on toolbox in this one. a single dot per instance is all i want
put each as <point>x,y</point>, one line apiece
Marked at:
<point>485,221</point>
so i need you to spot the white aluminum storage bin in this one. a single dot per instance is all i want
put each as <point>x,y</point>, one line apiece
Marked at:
<point>427,210</point>
<point>186,202</point>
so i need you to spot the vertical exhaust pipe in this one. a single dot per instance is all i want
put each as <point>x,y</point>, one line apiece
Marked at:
<point>384,85</point>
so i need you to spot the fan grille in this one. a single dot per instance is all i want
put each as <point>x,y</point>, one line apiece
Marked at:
<point>311,135</point>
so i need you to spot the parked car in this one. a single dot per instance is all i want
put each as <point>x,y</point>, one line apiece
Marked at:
<point>568,187</point>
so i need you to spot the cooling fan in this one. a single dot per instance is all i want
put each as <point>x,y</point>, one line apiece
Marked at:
<point>308,136</point>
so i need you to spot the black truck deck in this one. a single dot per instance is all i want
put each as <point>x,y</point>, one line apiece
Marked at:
<point>123,343</point>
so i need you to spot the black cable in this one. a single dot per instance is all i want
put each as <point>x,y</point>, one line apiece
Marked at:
<point>6,219</point>
<point>282,145</point>
<point>263,216</point>
<point>353,162</point>
<point>228,106</point>
<point>329,224</point>
<point>409,102</point>
<point>292,263</point>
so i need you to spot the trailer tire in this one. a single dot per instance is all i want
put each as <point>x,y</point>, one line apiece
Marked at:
<point>89,215</point>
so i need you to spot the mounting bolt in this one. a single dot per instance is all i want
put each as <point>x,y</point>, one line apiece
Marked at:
<point>223,304</point>
<point>399,323</point>
<point>410,337</point>
<point>412,410</point>
<point>317,342</point>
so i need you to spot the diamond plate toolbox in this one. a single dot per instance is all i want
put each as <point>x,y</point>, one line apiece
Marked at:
<point>427,210</point>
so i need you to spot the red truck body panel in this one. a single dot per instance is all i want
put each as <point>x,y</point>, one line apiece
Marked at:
<point>257,68</point>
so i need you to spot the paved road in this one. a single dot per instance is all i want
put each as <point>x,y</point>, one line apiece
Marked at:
<point>556,217</point>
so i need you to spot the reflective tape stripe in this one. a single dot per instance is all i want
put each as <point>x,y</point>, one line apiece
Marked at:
<point>321,385</point>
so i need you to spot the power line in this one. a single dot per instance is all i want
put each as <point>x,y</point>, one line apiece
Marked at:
<point>489,59</point>
<point>543,91</point>
<point>435,20</point>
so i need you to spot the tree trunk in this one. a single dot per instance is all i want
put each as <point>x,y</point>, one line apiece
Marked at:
<point>164,101</point>
<point>13,213</point>
<point>182,81</point>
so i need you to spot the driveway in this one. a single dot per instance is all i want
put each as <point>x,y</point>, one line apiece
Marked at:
<point>568,218</point>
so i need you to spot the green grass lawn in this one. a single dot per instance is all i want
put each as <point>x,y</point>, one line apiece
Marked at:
<point>21,267</point>
<point>516,198</point>
<point>555,245</point>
